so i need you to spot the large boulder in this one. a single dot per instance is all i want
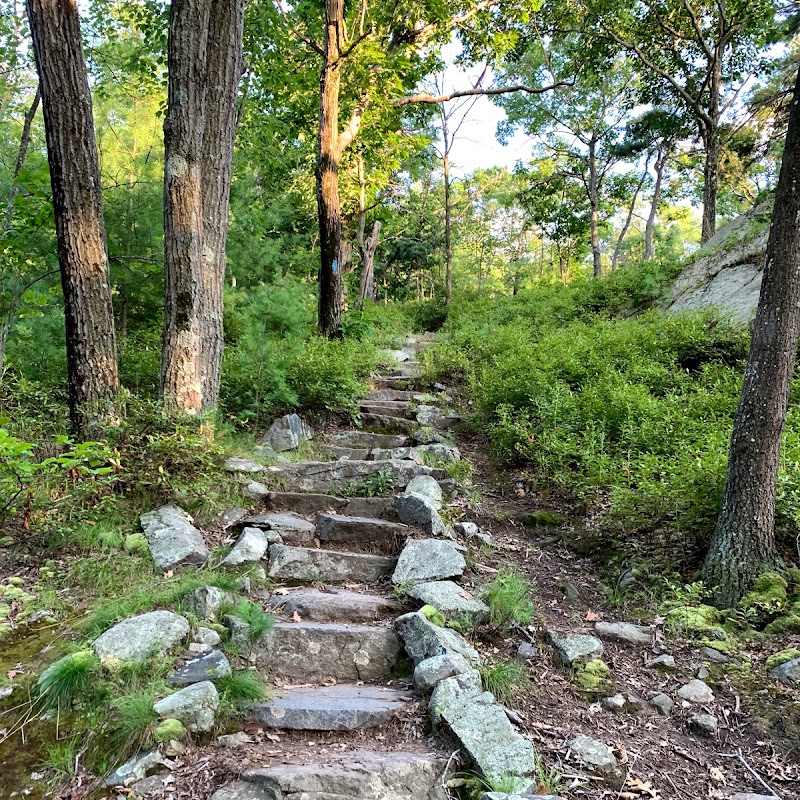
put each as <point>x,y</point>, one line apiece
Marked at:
<point>288,433</point>
<point>172,538</point>
<point>195,706</point>
<point>427,487</point>
<point>449,598</point>
<point>141,637</point>
<point>250,547</point>
<point>424,560</point>
<point>419,512</point>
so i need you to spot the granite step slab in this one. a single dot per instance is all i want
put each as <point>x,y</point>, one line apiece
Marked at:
<point>320,651</point>
<point>364,531</point>
<point>388,423</point>
<point>310,565</point>
<point>364,439</point>
<point>293,528</point>
<point>312,504</point>
<point>334,605</point>
<point>382,395</point>
<point>398,408</point>
<point>336,453</point>
<point>342,707</point>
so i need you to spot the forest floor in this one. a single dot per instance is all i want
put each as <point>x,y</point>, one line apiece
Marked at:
<point>756,749</point>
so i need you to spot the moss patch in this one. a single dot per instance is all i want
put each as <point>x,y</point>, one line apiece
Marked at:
<point>697,621</point>
<point>135,543</point>
<point>433,615</point>
<point>786,623</point>
<point>168,730</point>
<point>594,676</point>
<point>782,657</point>
<point>768,591</point>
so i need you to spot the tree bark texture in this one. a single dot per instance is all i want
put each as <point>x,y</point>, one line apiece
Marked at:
<point>649,230</point>
<point>327,175</point>
<point>594,209</point>
<point>710,136</point>
<point>743,544</point>
<point>366,289</point>
<point>205,65</point>
<point>224,67</point>
<point>77,206</point>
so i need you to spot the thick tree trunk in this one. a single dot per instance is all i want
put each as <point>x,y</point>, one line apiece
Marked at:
<point>77,206</point>
<point>743,544</point>
<point>594,212</point>
<point>366,289</point>
<point>225,63</point>
<point>649,247</point>
<point>327,176</point>
<point>181,373</point>
<point>710,135</point>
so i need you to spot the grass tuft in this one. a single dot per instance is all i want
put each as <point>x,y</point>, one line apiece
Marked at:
<point>66,679</point>
<point>503,680</point>
<point>509,600</point>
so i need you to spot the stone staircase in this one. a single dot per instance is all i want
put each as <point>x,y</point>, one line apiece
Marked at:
<point>343,637</point>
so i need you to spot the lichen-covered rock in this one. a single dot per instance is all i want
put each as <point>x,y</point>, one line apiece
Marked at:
<point>596,757</point>
<point>624,632</point>
<point>141,637</point>
<point>423,639</point>
<point>135,769</point>
<point>243,466</point>
<point>172,538</point>
<point>195,706</point>
<point>449,598</point>
<point>424,560</point>
<point>431,671</point>
<point>427,487</point>
<point>250,547</point>
<point>575,648</point>
<point>205,602</point>
<point>205,667</point>
<point>288,433</point>
<point>788,673</point>
<point>419,512</point>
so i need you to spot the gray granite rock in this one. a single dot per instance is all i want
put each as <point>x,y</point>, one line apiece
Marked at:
<point>696,691</point>
<point>425,560</point>
<point>715,655</point>
<point>135,769</point>
<point>418,511</point>
<point>663,662</point>
<point>788,673</point>
<point>704,724</point>
<point>527,652</point>
<point>207,636</point>
<point>241,790</point>
<point>195,706</point>
<point>596,757</point>
<point>243,466</point>
<point>231,517</point>
<point>288,433</point>
<point>626,703</point>
<point>250,547</point>
<point>315,651</point>
<point>206,667</point>
<point>431,671</point>
<point>751,796</point>
<point>624,632</point>
<point>334,605</point>
<point>575,648</point>
<point>292,528</point>
<point>342,707</point>
<point>365,531</point>
<point>205,602</point>
<point>662,703</point>
<point>235,740</point>
<point>426,487</point>
<point>141,637</point>
<point>452,600</point>
<point>467,529</point>
<point>172,539</point>
<point>423,639</point>
<point>329,566</point>
<point>360,775</point>
<point>255,490</point>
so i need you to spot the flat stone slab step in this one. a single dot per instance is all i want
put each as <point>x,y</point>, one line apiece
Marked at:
<point>382,395</point>
<point>343,707</point>
<point>365,531</point>
<point>309,565</point>
<point>351,453</point>
<point>318,651</point>
<point>334,605</point>
<point>383,423</point>
<point>332,476</point>
<point>293,529</point>
<point>392,382</point>
<point>305,503</point>
<point>398,408</point>
<point>366,440</point>
<point>360,775</point>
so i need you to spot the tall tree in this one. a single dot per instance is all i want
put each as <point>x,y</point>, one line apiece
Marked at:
<point>204,58</point>
<point>75,179</point>
<point>743,544</point>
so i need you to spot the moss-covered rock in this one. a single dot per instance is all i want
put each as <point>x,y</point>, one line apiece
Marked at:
<point>168,730</point>
<point>433,615</point>
<point>16,581</point>
<point>698,622</point>
<point>769,591</point>
<point>593,676</point>
<point>135,543</point>
<point>544,519</point>
<point>782,657</point>
<point>788,622</point>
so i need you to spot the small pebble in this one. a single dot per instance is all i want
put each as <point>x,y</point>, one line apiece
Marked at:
<point>662,703</point>
<point>662,662</point>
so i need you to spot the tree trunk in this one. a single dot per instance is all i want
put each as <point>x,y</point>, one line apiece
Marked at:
<point>743,544</point>
<point>22,154</point>
<point>661,163</point>
<point>710,136</point>
<point>448,211</point>
<point>629,218</point>
<point>224,67</point>
<point>327,176</point>
<point>366,289</point>
<point>77,206</point>
<point>181,372</point>
<point>594,205</point>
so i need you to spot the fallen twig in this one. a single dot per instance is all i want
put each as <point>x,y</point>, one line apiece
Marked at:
<point>743,761</point>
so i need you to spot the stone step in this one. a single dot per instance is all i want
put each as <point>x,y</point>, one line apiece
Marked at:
<point>309,565</point>
<point>394,382</point>
<point>292,528</point>
<point>305,503</point>
<point>398,408</point>
<point>364,531</point>
<point>369,441</point>
<point>319,651</point>
<point>382,395</point>
<point>384,423</point>
<point>358,775</point>
<point>333,476</point>
<point>343,707</point>
<point>336,453</point>
<point>334,605</point>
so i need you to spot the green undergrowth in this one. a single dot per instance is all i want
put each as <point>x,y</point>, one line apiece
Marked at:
<point>621,408</point>
<point>510,600</point>
<point>507,681</point>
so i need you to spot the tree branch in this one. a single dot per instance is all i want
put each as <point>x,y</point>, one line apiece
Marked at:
<point>443,98</point>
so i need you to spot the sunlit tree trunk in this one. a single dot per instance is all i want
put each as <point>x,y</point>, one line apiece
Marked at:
<point>743,544</point>
<point>224,66</point>
<point>594,209</point>
<point>77,206</point>
<point>327,175</point>
<point>710,135</point>
<point>661,163</point>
